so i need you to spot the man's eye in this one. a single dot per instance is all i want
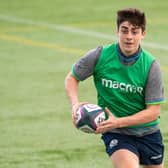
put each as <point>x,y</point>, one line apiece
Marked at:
<point>134,32</point>
<point>124,31</point>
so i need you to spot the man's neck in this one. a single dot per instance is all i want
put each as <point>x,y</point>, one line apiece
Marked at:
<point>131,58</point>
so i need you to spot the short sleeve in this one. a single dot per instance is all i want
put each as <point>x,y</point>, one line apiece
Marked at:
<point>84,67</point>
<point>154,91</point>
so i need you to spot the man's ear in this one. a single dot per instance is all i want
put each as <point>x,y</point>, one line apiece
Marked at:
<point>143,34</point>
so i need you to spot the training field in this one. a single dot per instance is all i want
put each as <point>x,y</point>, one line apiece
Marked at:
<point>39,42</point>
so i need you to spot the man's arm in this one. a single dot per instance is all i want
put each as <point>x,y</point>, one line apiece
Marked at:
<point>81,70</point>
<point>71,87</point>
<point>149,114</point>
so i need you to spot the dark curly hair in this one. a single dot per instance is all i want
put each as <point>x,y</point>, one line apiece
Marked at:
<point>132,15</point>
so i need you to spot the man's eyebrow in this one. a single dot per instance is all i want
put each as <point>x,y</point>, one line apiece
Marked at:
<point>133,28</point>
<point>124,27</point>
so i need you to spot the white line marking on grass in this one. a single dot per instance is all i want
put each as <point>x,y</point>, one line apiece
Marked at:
<point>69,29</point>
<point>57,27</point>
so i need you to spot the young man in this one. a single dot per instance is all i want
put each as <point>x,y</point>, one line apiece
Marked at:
<point>129,86</point>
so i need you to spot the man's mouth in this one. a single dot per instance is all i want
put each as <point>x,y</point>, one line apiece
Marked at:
<point>128,44</point>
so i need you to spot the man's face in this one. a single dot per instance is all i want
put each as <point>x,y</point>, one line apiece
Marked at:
<point>129,37</point>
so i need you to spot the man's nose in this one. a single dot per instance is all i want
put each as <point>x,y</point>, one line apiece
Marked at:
<point>129,35</point>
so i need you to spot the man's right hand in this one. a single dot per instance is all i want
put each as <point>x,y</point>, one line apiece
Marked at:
<point>75,108</point>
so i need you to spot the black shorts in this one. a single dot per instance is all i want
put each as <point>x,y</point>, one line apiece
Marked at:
<point>148,148</point>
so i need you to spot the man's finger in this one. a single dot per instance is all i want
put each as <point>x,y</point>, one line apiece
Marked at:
<point>108,111</point>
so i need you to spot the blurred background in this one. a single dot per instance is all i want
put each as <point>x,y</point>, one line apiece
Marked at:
<point>39,42</point>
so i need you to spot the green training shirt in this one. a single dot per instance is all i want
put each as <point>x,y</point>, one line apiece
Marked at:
<point>122,88</point>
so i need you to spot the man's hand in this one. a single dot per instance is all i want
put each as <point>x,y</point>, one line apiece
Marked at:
<point>108,124</point>
<point>75,108</point>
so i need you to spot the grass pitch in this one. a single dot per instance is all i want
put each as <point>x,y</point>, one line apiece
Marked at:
<point>39,42</point>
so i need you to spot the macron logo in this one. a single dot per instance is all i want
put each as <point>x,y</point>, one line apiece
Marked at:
<point>122,86</point>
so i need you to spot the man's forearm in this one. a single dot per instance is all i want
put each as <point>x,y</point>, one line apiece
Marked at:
<point>71,87</point>
<point>145,116</point>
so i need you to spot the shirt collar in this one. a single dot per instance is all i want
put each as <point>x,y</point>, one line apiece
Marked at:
<point>131,58</point>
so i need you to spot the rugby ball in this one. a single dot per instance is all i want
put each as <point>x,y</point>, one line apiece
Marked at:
<point>88,117</point>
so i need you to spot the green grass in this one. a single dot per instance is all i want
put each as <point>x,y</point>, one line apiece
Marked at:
<point>35,120</point>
